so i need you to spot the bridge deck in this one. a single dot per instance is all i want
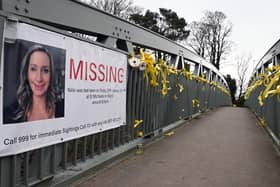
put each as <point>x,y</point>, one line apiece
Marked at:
<point>223,148</point>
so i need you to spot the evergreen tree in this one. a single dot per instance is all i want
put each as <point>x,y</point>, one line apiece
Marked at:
<point>166,23</point>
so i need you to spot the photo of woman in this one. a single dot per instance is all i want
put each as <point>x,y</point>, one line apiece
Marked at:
<point>36,97</point>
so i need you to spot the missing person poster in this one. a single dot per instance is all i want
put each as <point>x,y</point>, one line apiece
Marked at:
<point>57,88</point>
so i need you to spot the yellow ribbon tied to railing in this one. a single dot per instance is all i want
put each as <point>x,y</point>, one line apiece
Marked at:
<point>274,92</point>
<point>213,85</point>
<point>271,83</point>
<point>174,97</point>
<point>262,122</point>
<point>251,88</point>
<point>187,74</point>
<point>181,87</point>
<point>155,71</point>
<point>150,67</point>
<point>163,72</point>
<point>195,103</point>
<point>201,79</point>
<point>137,123</point>
<point>172,70</point>
<point>140,133</point>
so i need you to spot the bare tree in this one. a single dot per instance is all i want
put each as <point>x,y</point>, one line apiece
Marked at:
<point>121,8</point>
<point>197,39</point>
<point>243,63</point>
<point>209,37</point>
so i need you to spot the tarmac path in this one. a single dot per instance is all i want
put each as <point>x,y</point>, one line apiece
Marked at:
<point>222,148</point>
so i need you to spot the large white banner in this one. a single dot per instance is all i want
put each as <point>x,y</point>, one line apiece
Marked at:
<point>56,88</point>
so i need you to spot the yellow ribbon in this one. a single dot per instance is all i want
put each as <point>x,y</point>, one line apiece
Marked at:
<point>251,88</point>
<point>172,70</point>
<point>174,97</point>
<point>195,103</point>
<point>140,133</point>
<point>152,71</point>
<point>215,85</point>
<point>150,68</point>
<point>187,74</point>
<point>163,72</point>
<point>170,133</point>
<point>137,123</point>
<point>262,121</point>
<point>181,87</point>
<point>270,81</point>
<point>274,92</point>
<point>201,79</point>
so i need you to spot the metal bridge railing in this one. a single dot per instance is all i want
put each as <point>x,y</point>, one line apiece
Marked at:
<point>263,93</point>
<point>143,102</point>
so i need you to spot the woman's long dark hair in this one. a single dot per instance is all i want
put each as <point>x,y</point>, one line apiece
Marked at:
<point>24,92</point>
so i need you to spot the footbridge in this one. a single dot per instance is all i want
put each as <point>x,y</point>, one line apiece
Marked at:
<point>108,86</point>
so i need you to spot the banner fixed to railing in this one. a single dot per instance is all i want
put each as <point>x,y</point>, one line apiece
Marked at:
<point>57,88</point>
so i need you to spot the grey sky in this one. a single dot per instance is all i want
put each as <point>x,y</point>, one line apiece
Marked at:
<point>256,24</point>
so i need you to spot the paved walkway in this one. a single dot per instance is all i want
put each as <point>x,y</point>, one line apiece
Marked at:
<point>223,148</point>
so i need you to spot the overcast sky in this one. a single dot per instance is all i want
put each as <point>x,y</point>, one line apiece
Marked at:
<point>256,23</point>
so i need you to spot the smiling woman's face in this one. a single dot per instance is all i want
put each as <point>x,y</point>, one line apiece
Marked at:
<point>39,73</point>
